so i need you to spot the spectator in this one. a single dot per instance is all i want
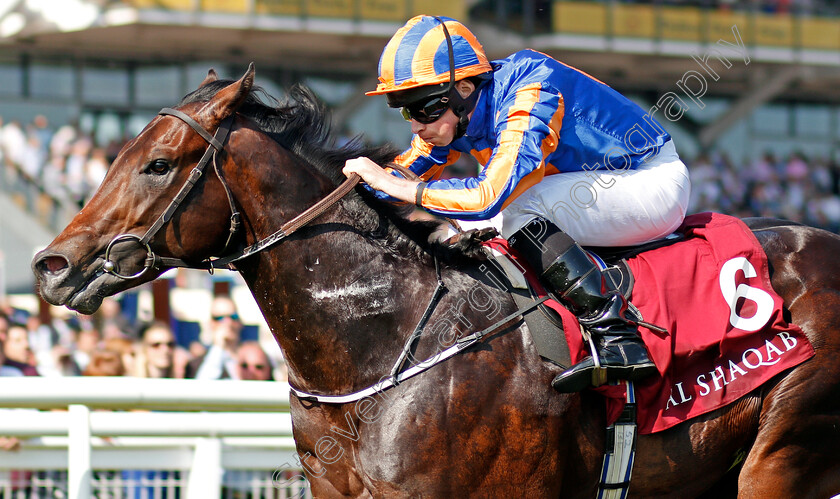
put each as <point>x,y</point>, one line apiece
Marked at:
<point>112,322</point>
<point>180,362</point>
<point>5,369</point>
<point>18,479</point>
<point>156,358</point>
<point>41,336</point>
<point>127,352</point>
<point>220,360</point>
<point>105,363</point>
<point>253,363</point>
<point>87,340</point>
<point>17,352</point>
<point>13,142</point>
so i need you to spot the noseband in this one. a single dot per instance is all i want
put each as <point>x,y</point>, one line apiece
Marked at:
<point>216,144</point>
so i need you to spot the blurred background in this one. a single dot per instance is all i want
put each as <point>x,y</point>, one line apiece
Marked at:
<point>747,88</point>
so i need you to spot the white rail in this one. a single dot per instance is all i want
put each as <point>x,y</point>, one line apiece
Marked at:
<point>86,434</point>
<point>143,393</point>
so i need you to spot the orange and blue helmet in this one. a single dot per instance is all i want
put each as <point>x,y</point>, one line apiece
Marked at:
<point>418,55</point>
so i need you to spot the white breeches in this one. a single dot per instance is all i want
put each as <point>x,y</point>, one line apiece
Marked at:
<point>605,207</point>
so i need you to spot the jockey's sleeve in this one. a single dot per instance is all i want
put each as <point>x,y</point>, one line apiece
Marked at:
<point>425,160</point>
<point>527,128</point>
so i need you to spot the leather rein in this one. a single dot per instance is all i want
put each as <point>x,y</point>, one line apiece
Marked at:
<point>216,144</point>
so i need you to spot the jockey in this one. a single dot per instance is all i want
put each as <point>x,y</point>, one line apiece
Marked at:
<point>566,160</point>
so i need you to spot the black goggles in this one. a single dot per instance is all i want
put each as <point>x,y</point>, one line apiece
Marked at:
<point>426,111</point>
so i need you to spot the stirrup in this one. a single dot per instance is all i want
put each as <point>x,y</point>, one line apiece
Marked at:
<point>599,374</point>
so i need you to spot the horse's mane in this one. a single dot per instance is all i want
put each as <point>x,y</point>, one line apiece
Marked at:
<point>301,124</point>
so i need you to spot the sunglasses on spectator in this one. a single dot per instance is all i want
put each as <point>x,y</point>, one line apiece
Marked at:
<point>226,316</point>
<point>427,111</point>
<point>158,344</point>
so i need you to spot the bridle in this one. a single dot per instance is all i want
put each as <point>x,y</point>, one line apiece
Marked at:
<point>216,144</point>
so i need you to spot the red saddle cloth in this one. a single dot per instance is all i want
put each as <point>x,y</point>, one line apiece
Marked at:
<point>726,331</point>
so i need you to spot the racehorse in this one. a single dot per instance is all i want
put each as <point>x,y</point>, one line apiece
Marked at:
<point>344,291</point>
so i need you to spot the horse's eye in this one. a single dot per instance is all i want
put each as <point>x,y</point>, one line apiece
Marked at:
<point>158,167</point>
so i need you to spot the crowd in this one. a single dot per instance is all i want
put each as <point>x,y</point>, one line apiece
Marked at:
<point>65,162</point>
<point>109,344</point>
<point>793,188</point>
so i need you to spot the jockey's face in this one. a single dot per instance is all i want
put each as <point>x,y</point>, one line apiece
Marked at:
<point>441,132</point>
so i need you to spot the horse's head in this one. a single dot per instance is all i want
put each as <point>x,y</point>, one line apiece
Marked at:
<point>125,218</point>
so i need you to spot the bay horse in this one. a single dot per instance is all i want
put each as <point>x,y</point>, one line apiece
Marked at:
<point>342,294</point>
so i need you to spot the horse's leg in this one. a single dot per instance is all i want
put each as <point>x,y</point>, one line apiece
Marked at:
<point>795,452</point>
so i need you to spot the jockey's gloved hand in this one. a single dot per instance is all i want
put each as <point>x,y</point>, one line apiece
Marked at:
<point>471,239</point>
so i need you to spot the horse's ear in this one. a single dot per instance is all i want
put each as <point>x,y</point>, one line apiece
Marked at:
<point>211,77</point>
<point>228,100</point>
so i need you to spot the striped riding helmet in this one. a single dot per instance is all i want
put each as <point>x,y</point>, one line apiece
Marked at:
<point>418,55</point>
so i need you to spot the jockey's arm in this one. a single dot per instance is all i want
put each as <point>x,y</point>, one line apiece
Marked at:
<point>378,179</point>
<point>425,160</point>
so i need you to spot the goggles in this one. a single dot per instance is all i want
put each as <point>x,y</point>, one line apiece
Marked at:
<point>426,111</point>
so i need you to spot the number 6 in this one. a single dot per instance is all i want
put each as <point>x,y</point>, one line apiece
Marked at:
<point>762,299</point>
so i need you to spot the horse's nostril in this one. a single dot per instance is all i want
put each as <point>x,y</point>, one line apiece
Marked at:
<point>54,263</point>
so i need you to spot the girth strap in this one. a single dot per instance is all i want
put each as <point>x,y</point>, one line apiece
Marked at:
<point>460,345</point>
<point>418,330</point>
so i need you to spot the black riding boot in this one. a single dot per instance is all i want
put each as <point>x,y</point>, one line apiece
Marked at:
<point>569,273</point>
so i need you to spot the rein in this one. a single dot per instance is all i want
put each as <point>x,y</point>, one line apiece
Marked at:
<point>216,144</point>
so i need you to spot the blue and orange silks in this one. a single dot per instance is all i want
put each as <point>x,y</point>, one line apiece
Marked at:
<point>418,55</point>
<point>535,117</point>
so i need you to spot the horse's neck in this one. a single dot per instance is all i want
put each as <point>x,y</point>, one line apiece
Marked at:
<point>339,304</point>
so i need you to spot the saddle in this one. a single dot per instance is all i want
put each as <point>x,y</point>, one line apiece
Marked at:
<point>546,327</point>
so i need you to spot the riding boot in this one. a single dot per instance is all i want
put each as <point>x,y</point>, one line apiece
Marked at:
<point>577,282</point>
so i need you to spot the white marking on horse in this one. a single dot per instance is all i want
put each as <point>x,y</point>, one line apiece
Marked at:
<point>350,291</point>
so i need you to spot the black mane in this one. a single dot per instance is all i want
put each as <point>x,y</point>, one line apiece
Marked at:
<point>301,124</point>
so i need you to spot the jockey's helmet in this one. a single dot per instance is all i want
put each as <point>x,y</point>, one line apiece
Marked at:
<point>417,64</point>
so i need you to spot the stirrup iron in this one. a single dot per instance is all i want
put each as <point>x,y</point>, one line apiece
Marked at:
<point>599,374</point>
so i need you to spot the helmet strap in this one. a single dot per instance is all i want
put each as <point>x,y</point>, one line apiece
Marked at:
<point>460,106</point>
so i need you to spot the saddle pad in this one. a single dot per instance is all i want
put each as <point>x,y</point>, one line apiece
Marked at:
<point>726,331</point>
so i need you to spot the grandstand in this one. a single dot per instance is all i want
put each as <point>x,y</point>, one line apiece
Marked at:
<point>747,89</point>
